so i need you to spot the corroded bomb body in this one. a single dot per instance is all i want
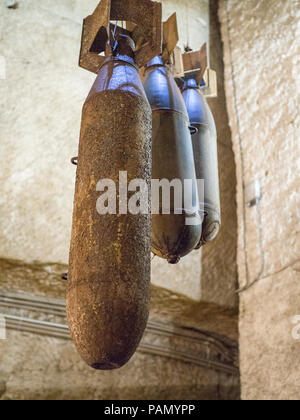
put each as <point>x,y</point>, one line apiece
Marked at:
<point>206,158</point>
<point>109,272</point>
<point>172,159</point>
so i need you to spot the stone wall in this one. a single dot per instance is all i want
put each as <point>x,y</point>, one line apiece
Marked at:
<point>261,53</point>
<point>40,368</point>
<point>38,360</point>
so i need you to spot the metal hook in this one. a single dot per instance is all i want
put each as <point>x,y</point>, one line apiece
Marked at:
<point>193,130</point>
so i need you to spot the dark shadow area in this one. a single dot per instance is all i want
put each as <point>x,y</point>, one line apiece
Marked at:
<point>219,257</point>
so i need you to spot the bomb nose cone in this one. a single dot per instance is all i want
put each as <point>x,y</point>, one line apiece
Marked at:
<point>155,62</point>
<point>190,83</point>
<point>125,46</point>
<point>106,334</point>
<point>174,260</point>
<point>107,356</point>
<point>161,89</point>
<point>104,366</point>
<point>195,103</point>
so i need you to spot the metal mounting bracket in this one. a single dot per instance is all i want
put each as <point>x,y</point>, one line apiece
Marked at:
<point>144,19</point>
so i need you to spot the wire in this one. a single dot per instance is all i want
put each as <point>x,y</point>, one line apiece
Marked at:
<point>114,36</point>
<point>187,25</point>
<point>115,29</point>
<point>262,253</point>
<point>208,36</point>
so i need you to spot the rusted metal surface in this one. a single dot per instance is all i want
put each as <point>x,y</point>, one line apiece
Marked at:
<point>93,25</point>
<point>176,63</point>
<point>170,36</point>
<point>146,16</point>
<point>172,158</point>
<point>109,271</point>
<point>206,158</point>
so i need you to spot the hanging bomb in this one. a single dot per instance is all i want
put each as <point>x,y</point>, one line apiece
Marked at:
<point>173,235</point>
<point>109,272</point>
<point>206,158</point>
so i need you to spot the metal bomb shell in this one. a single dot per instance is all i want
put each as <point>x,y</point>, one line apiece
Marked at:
<point>206,158</point>
<point>173,236</point>
<point>109,270</point>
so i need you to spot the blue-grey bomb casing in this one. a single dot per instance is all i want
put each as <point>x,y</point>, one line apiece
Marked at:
<point>173,236</point>
<point>206,158</point>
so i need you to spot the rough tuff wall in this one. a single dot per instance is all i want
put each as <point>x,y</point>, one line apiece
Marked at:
<point>262,84</point>
<point>45,368</point>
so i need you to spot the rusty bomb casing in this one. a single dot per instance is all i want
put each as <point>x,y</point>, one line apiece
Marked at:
<point>206,158</point>
<point>172,158</point>
<point>109,272</point>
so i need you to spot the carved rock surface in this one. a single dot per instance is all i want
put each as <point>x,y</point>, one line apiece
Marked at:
<point>261,46</point>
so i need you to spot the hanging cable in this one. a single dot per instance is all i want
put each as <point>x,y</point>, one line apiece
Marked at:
<point>114,36</point>
<point>208,37</point>
<point>115,29</point>
<point>187,47</point>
